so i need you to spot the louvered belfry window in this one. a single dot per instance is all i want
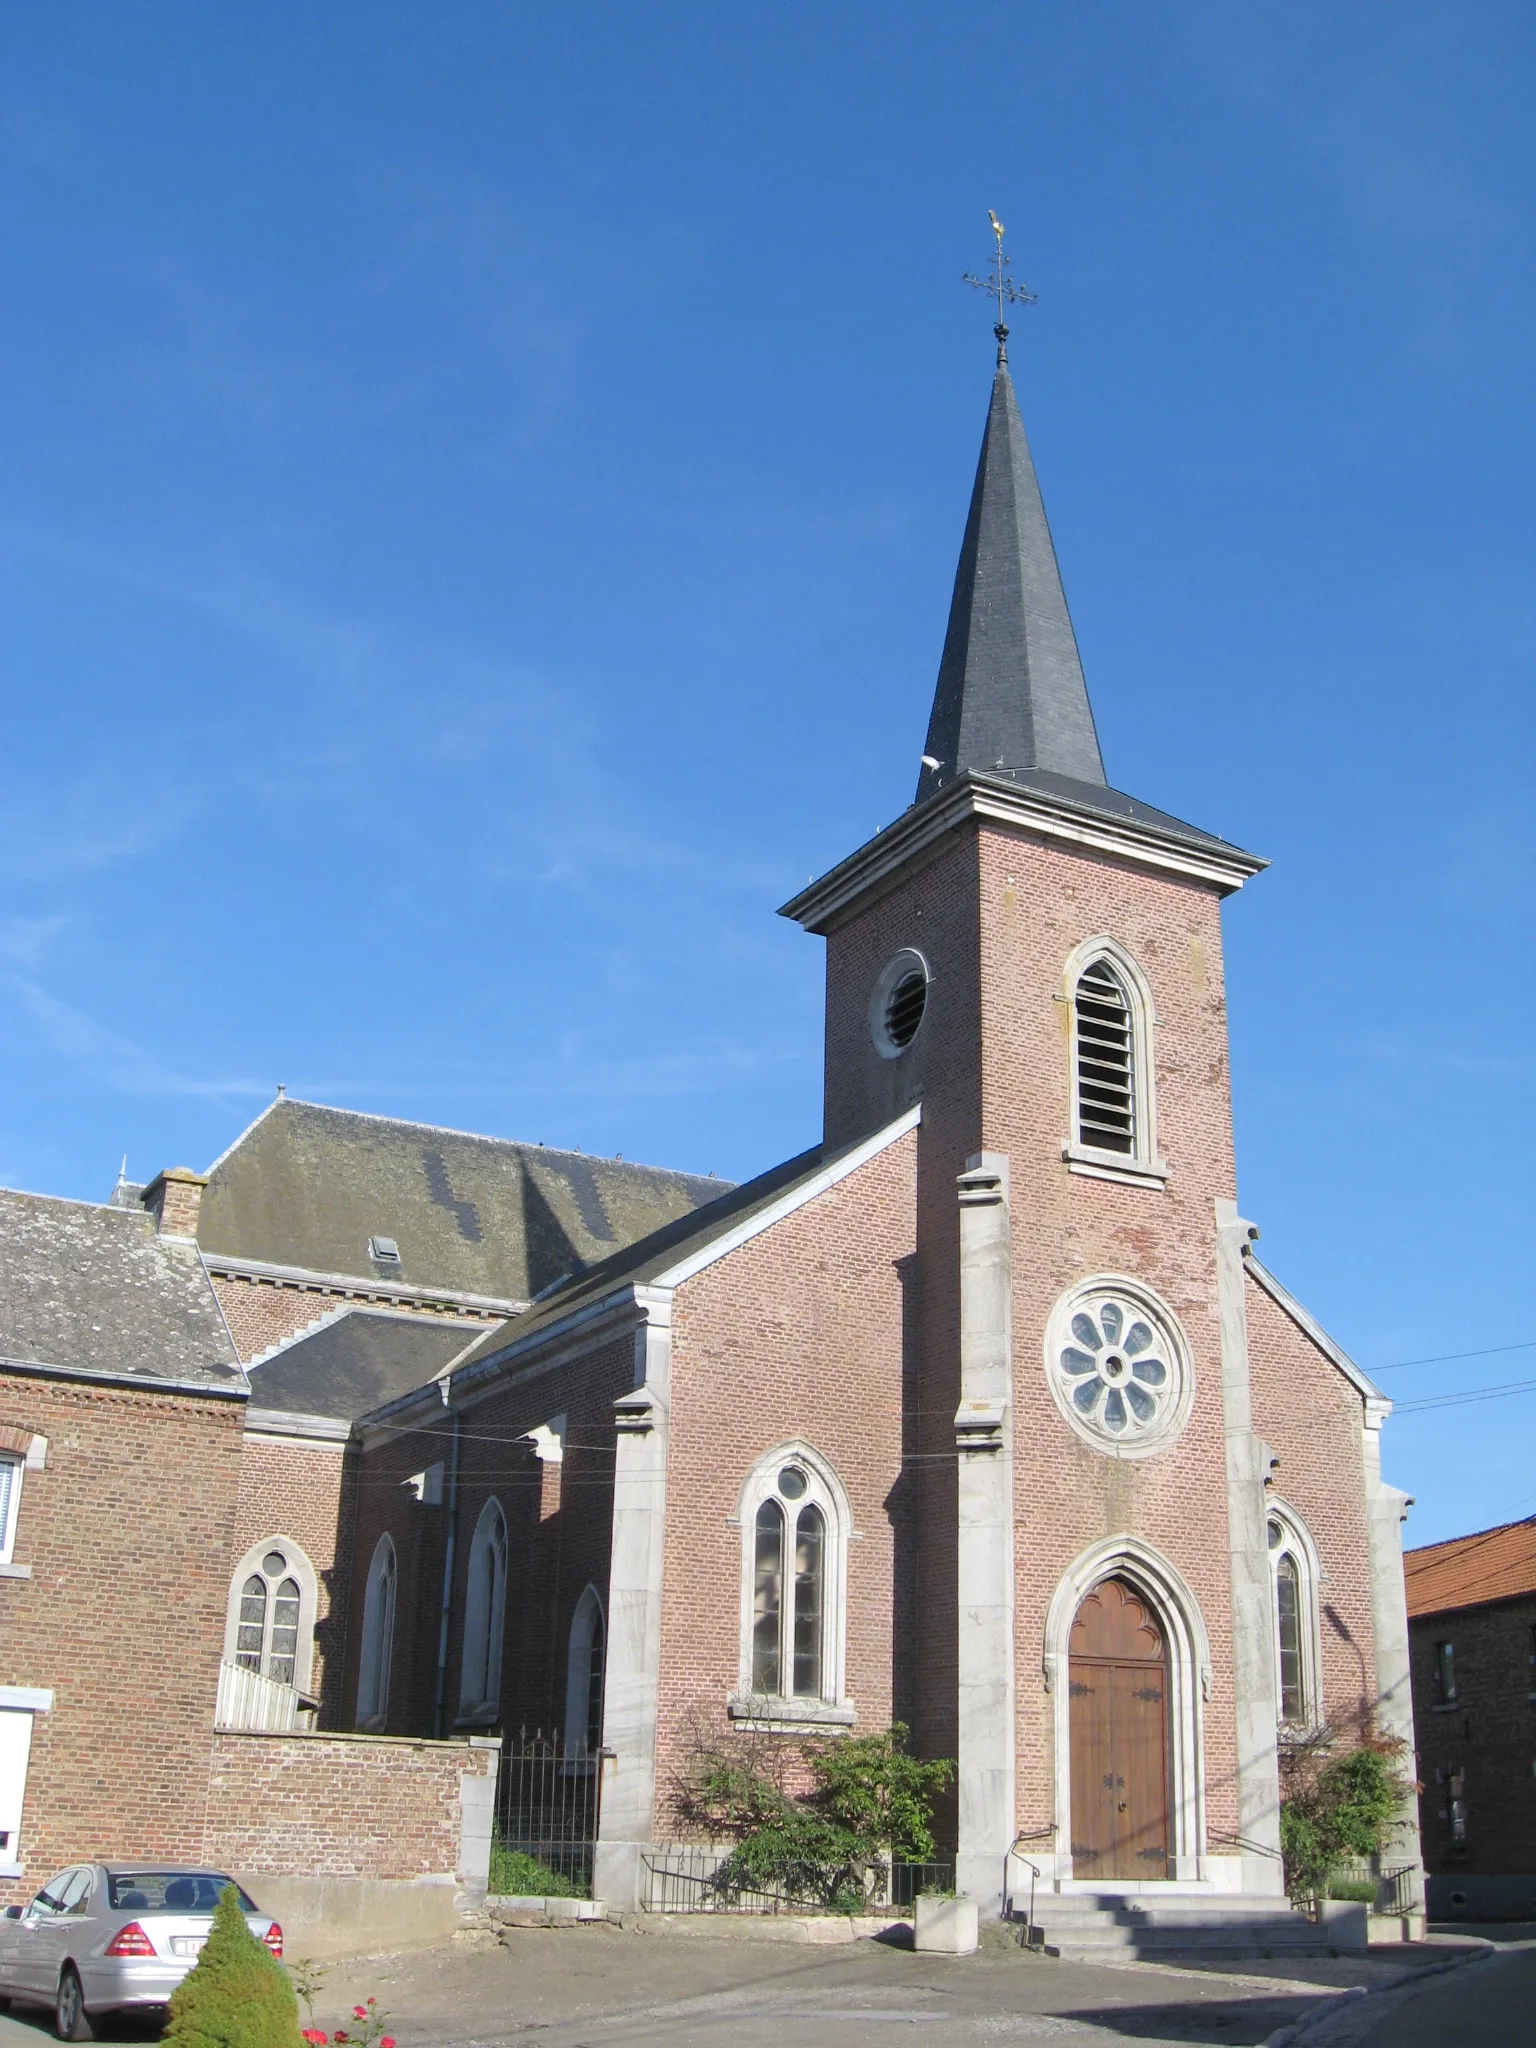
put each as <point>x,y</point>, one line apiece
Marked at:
<point>1106,1077</point>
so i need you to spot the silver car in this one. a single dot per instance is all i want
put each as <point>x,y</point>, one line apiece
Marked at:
<point>104,1936</point>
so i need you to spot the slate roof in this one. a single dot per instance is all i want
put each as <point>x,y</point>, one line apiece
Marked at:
<point>1472,1571</point>
<point>1010,692</point>
<point>308,1186</point>
<point>1102,801</point>
<point>361,1360</point>
<point>88,1288</point>
<point>654,1255</point>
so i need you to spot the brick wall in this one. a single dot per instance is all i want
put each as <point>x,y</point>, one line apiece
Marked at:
<point>351,1806</point>
<point>129,1534</point>
<point>1309,1414</point>
<point>305,1492</point>
<point>1488,1734</point>
<point>803,1332</point>
<point>560,1518</point>
<point>559,1524</point>
<point>936,911</point>
<point>997,914</point>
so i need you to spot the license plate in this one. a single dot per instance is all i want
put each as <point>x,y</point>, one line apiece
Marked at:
<point>187,1944</point>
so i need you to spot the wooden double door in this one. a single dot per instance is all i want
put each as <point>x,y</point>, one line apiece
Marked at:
<point>1118,1677</point>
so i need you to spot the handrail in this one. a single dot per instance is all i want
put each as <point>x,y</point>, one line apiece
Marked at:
<point>1013,1856</point>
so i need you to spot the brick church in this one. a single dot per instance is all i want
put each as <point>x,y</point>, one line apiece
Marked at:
<point>982,1414</point>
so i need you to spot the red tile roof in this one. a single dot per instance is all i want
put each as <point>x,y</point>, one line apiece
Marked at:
<point>1472,1571</point>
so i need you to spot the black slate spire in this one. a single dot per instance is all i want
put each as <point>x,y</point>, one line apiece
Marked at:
<point>1010,692</point>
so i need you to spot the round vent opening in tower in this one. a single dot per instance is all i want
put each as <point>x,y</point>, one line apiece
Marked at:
<point>896,1007</point>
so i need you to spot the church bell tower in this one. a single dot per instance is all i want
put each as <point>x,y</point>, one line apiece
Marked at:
<point>1034,957</point>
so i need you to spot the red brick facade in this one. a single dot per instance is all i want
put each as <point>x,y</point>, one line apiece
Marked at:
<point>803,1333</point>
<point>1310,1416</point>
<point>122,1618</point>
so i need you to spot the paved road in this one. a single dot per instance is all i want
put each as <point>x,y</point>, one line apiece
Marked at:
<point>602,1988</point>
<point>1489,2004</point>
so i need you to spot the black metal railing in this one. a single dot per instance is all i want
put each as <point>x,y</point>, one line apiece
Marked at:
<point>686,1878</point>
<point>548,1804</point>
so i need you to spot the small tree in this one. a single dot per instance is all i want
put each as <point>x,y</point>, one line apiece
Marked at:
<point>237,1995</point>
<point>1336,1806</point>
<point>870,1803</point>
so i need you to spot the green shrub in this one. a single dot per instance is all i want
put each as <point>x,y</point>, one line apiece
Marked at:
<point>1359,1891</point>
<point>1335,1808</point>
<point>832,1847</point>
<point>237,1994</point>
<point>515,1875</point>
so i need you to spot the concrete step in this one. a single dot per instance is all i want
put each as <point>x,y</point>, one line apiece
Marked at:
<point>1088,1924</point>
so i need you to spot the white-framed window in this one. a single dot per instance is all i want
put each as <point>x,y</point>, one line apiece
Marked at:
<point>583,1735</point>
<point>12,1465</point>
<point>18,1705</point>
<point>1113,1110</point>
<point>795,1529</point>
<point>378,1639</point>
<point>485,1614</point>
<point>269,1626</point>
<point>1294,1575</point>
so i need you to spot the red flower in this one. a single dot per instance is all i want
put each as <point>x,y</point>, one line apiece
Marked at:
<point>317,2037</point>
<point>341,2034</point>
<point>387,2041</point>
<point>360,2012</point>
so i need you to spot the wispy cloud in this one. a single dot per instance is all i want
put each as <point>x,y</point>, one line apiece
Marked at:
<point>25,941</point>
<point>107,1058</point>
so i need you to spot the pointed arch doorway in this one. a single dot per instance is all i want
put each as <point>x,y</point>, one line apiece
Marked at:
<point>1119,1736</point>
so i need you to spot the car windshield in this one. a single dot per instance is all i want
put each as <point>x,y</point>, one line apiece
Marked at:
<point>169,1891</point>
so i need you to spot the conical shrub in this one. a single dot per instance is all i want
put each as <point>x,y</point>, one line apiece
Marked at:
<point>237,1995</point>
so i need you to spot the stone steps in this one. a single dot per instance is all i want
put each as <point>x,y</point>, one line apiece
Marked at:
<point>1084,1926</point>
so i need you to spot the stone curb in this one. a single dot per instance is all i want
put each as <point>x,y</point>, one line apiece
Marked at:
<point>1296,2031</point>
<point>832,1930</point>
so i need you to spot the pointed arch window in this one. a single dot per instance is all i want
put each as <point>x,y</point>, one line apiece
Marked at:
<point>378,1639</point>
<point>1113,1135</point>
<point>795,1529</point>
<point>1294,1577</point>
<point>270,1623</point>
<point>583,1732</point>
<point>485,1613</point>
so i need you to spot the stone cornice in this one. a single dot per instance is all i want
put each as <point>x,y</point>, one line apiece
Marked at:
<point>356,1287</point>
<point>918,834</point>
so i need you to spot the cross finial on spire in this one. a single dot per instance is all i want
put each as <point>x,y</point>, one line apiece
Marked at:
<point>1001,286</point>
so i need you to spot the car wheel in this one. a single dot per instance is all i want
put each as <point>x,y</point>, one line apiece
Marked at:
<point>71,2021</point>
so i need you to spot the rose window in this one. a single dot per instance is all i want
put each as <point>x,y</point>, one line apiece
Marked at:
<point>1116,1370</point>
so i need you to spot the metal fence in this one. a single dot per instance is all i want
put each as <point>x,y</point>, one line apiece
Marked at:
<point>1396,1887</point>
<point>684,1878</point>
<point>548,1800</point>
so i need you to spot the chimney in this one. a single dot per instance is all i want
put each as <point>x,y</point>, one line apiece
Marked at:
<point>173,1198</point>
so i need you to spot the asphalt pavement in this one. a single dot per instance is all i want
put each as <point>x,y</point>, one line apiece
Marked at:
<point>601,1987</point>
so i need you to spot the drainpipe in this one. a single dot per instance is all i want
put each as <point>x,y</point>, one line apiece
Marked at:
<point>449,1547</point>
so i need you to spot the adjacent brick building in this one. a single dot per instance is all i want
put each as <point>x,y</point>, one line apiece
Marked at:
<point>121,1411</point>
<point>1472,1609</point>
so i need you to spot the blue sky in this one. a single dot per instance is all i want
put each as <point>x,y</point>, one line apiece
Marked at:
<point>480,490</point>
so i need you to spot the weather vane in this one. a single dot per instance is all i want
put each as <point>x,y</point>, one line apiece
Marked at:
<point>1001,286</point>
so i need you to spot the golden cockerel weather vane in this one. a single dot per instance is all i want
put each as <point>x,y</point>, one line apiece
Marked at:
<point>1002,287</point>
